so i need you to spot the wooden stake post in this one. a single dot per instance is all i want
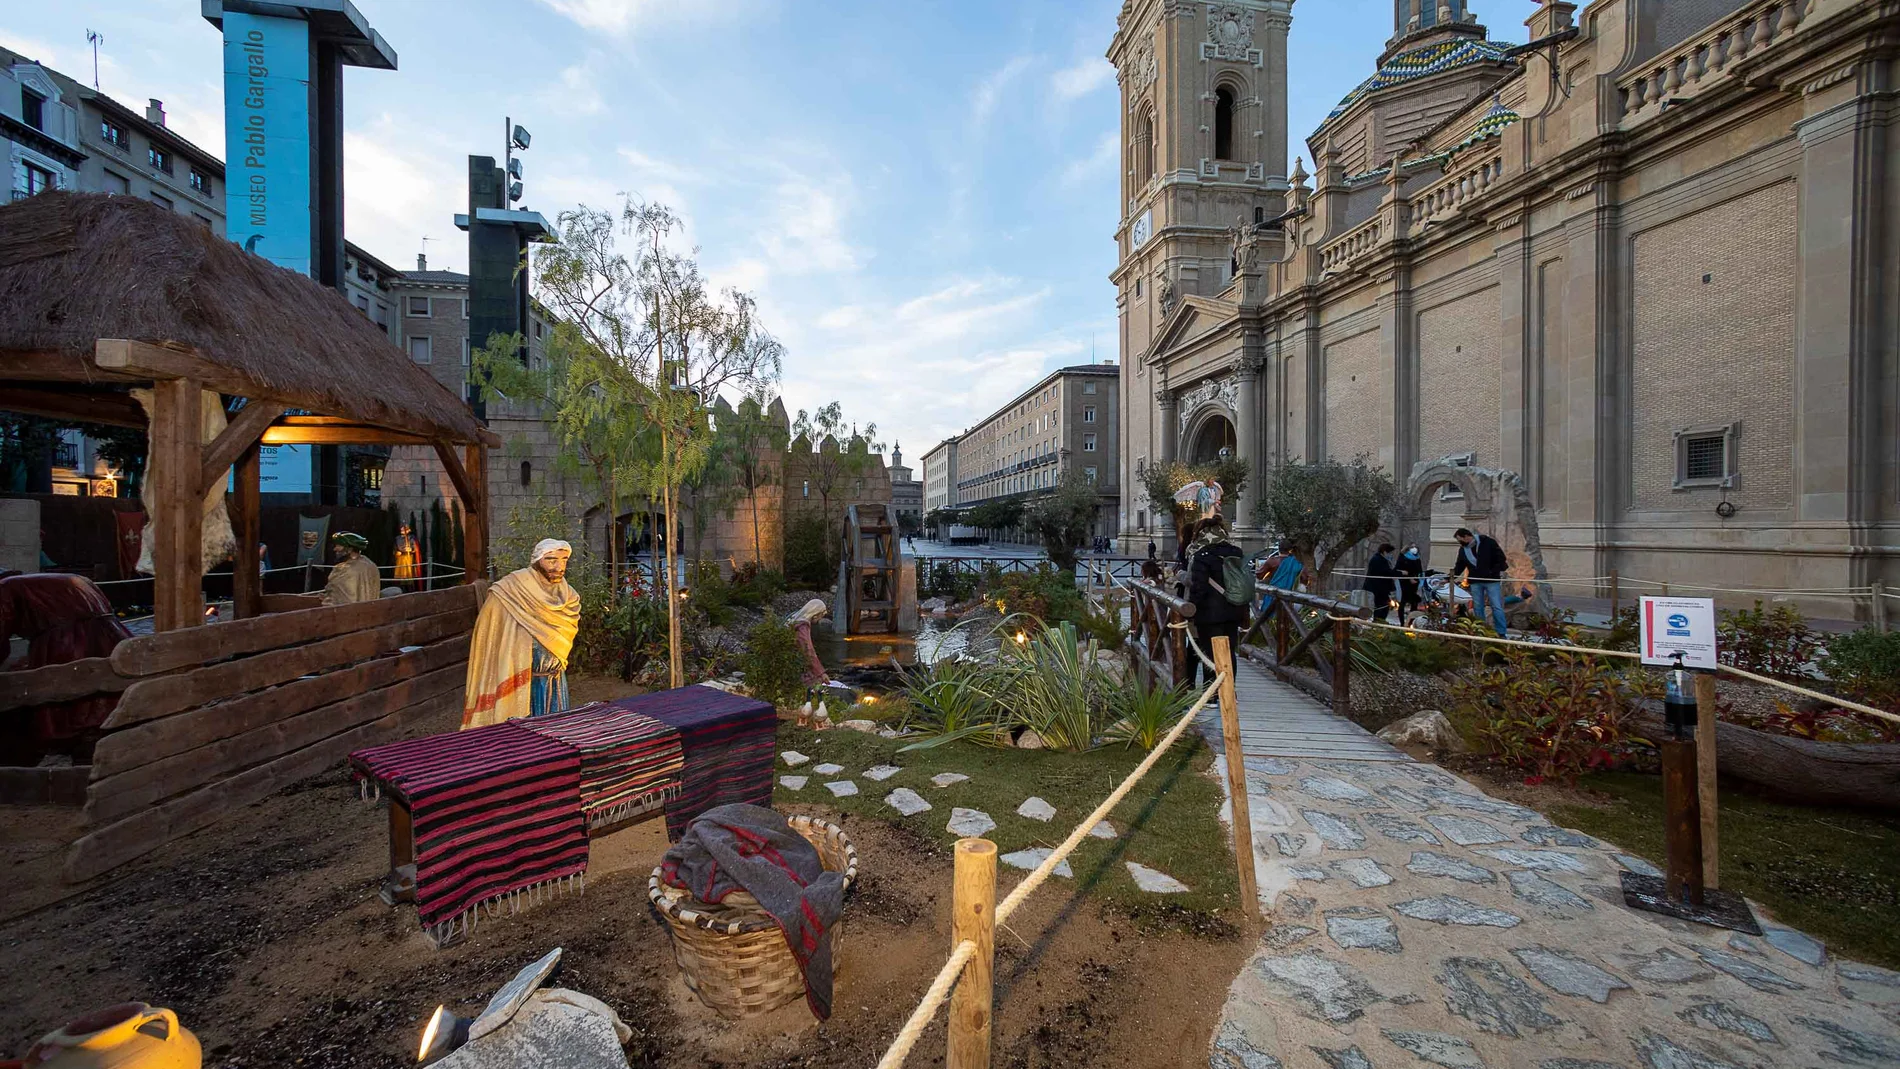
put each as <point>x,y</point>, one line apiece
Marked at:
<point>1682,821</point>
<point>973,917</point>
<point>1705,775</point>
<point>1236,775</point>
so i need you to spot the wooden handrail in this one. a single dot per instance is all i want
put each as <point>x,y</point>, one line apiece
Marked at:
<point>1330,606</point>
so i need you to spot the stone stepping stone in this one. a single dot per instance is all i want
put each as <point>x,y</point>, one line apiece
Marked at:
<point>881,772</point>
<point>1852,1047</point>
<point>827,769</point>
<point>1281,936</point>
<point>1660,1052</point>
<point>1334,789</point>
<point>1154,881</point>
<point>1430,863</point>
<point>1350,1058</point>
<point>1335,831</point>
<point>1669,967</point>
<point>793,783</point>
<point>1466,831</point>
<point>1400,830</point>
<point>843,788</point>
<point>1797,945</point>
<point>1312,873</point>
<point>1318,987</point>
<point>1428,774</point>
<point>1291,844</point>
<point>793,758</point>
<point>1405,799</point>
<point>1637,865</point>
<point>1029,859</point>
<point>1448,1052</point>
<point>1549,894</point>
<point>1568,974</point>
<point>1724,1017</point>
<point>1538,860</point>
<point>1036,809</point>
<point>946,779</point>
<point>1759,977</point>
<point>969,823</point>
<point>1480,803</point>
<point>1450,909</point>
<point>1272,766</point>
<point>1489,995</point>
<point>1362,871</point>
<point>1551,835</point>
<point>1358,928</point>
<point>906,801</point>
<point>1103,830</point>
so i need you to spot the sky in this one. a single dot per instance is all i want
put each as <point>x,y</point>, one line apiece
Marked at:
<point>921,195</point>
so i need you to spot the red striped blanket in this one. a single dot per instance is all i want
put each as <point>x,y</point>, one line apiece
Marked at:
<point>730,742</point>
<point>630,762</point>
<point>496,810</point>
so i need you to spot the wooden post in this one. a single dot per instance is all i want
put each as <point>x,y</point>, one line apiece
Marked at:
<point>1682,821</point>
<point>1179,667</point>
<point>1342,660</point>
<point>1236,776</point>
<point>1879,592</point>
<point>1616,594</point>
<point>174,470</point>
<point>475,515</point>
<point>1705,741</point>
<point>1279,633</point>
<point>247,585</point>
<point>973,917</point>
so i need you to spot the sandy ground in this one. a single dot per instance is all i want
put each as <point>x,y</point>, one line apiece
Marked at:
<point>265,934</point>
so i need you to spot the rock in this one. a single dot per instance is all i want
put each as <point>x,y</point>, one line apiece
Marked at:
<point>869,727</point>
<point>1312,873</point>
<point>881,772</point>
<point>1036,809</point>
<point>1362,871</point>
<point>1428,728</point>
<point>1851,1047</point>
<point>1436,1048</point>
<point>1797,945</point>
<point>1028,860</point>
<point>1868,974</point>
<point>1549,894</point>
<point>969,823</point>
<point>1319,987</point>
<point>1232,1050</point>
<point>1102,830</point>
<point>1400,830</point>
<point>1154,881</point>
<point>1291,844</point>
<point>1745,945</point>
<point>1295,907</point>
<point>793,783</point>
<point>1659,1052</point>
<point>1637,865</point>
<point>793,758</point>
<point>1669,967</point>
<point>1335,831</point>
<point>1759,977</point>
<point>1272,766</point>
<point>1538,860</point>
<point>1450,909</point>
<point>1430,863</point>
<point>889,733</point>
<point>1484,992</point>
<point>1405,799</point>
<point>827,769</point>
<point>1350,1058</point>
<point>842,788</point>
<point>1550,835</point>
<point>1358,928</point>
<point>1334,789</point>
<point>1568,974</point>
<point>945,779</point>
<point>906,801</point>
<point>1029,740</point>
<point>1723,1016</point>
<point>1479,803</point>
<point>1281,936</point>
<point>1466,831</point>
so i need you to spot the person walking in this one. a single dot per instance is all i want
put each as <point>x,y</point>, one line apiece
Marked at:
<point>1220,586</point>
<point>1382,581</point>
<point>1482,561</point>
<point>1152,549</point>
<point>1410,567</point>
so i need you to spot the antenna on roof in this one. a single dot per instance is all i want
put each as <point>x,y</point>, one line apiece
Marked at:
<point>95,39</point>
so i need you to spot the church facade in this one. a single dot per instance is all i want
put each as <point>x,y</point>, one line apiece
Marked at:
<point>1649,262</point>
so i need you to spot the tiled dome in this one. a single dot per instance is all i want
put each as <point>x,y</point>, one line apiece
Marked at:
<point>1430,59</point>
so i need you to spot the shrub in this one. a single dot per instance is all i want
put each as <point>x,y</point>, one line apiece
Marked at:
<point>946,580</point>
<point>952,700</point>
<point>773,664</point>
<point>1549,716</point>
<point>1146,712</point>
<point>1625,630</point>
<point>1420,654</point>
<point>1867,663</point>
<point>754,585</point>
<point>1773,642</point>
<point>808,555</point>
<point>1057,691</point>
<point>1046,593</point>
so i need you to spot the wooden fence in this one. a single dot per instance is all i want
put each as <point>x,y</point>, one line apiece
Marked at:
<point>213,718</point>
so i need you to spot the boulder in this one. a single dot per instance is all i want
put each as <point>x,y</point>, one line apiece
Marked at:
<point>1029,740</point>
<point>1427,728</point>
<point>869,727</point>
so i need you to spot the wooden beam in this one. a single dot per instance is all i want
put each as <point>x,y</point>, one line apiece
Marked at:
<point>247,583</point>
<point>43,366</point>
<point>174,468</point>
<point>464,488</point>
<point>475,518</point>
<point>353,434</point>
<point>237,437</point>
<point>112,409</point>
<point>60,683</point>
<point>161,362</point>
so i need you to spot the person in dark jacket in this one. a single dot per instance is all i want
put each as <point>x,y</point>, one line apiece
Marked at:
<point>1410,567</point>
<point>1381,581</point>
<point>1213,613</point>
<point>1482,561</point>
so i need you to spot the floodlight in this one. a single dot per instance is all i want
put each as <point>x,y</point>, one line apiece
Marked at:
<point>514,191</point>
<point>521,137</point>
<point>514,168</point>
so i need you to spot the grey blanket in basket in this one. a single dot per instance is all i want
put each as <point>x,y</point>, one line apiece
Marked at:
<point>747,847</point>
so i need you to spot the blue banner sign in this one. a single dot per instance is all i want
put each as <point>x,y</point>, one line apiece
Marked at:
<point>267,125</point>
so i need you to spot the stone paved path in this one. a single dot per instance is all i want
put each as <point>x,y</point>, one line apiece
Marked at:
<point>1417,922</point>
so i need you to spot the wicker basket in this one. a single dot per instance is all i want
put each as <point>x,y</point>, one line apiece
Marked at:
<point>733,955</point>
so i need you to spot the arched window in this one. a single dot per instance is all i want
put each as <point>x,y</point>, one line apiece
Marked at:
<point>1224,123</point>
<point>1145,146</point>
<point>527,472</point>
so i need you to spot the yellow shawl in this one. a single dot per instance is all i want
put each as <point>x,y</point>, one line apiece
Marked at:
<point>522,610</point>
<point>353,580</point>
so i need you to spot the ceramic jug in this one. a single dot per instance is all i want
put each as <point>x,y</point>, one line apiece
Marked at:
<point>130,1035</point>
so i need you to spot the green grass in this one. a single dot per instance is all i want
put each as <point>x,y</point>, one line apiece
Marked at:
<point>1832,873</point>
<point>1169,821</point>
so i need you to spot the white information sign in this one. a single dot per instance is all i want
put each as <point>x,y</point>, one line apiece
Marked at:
<point>1672,626</point>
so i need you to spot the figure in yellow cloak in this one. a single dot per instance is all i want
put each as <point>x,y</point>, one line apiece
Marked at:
<point>355,577</point>
<point>408,559</point>
<point>517,664</point>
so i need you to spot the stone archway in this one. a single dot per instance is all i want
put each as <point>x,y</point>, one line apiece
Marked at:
<point>1208,433</point>
<point>1496,503</point>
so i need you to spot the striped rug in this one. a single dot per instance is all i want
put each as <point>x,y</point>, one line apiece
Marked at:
<point>630,762</point>
<point>496,811</point>
<point>730,742</point>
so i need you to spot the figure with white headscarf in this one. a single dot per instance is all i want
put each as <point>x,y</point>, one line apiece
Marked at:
<point>517,663</point>
<point>801,621</point>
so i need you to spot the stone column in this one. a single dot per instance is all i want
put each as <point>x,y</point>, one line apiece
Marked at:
<point>1247,408</point>
<point>1170,427</point>
<point>1516,376</point>
<point>1399,352</point>
<point>1277,22</point>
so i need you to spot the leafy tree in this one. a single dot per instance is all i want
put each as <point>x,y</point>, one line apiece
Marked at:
<point>998,514</point>
<point>939,521</point>
<point>757,437</point>
<point>1325,509</point>
<point>1160,481</point>
<point>849,458</point>
<point>1063,519</point>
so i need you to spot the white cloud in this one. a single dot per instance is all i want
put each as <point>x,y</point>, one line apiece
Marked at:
<point>391,201</point>
<point>806,232</point>
<point>605,16</point>
<point>1102,158</point>
<point>989,91</point>
<point>1084,77</point>
<point>578,88</point>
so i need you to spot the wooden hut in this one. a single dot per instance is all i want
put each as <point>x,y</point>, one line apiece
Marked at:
<point>100,295</point>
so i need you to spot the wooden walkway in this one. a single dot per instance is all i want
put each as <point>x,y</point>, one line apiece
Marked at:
<point>1279,720</point>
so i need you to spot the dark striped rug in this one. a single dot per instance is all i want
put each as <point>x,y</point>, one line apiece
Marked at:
<point>496,812</point>
<point>630,762</point>
<point>730,742</point>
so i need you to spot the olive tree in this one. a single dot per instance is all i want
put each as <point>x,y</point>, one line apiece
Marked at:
<point>1326,508</point>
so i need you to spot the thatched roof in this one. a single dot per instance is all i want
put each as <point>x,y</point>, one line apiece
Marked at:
<point>78,267</point>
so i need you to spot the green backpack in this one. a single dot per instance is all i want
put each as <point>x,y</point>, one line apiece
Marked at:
<point>1236,581</point>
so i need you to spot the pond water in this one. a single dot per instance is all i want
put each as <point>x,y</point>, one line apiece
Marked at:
<point>936,639</point>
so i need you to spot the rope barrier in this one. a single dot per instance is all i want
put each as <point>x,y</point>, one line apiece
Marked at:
<point>927,1009</point>
<point>1833,591</point>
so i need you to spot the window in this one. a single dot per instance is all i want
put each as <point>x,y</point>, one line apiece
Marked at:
<point>419,350</point>
<point>1088,443</point>
<point>527,472</point>
<point>465,308</point>
<point>32,109</point>
<point>159,159</point>
<point>1450,491</point>
<point>200,182</point>
<point>1088,414</point>
<point>1224,124</point>
<point>362,301</point>
<point>1089,474</point>
<point>118,184</point>
<point>1088,387</point>
<point>1706,456</point>
<point>39,180</point>
<point>807,487</point>
<point>205,220</point>
<point>162,201</point>
<point>465,360</point>
<point>537,328</point>
<point>112,134</point>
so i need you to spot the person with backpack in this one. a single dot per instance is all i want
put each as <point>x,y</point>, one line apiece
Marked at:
<point>1221,586</point>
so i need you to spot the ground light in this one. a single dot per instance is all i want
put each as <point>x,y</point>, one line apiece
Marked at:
<point>445,1033</point>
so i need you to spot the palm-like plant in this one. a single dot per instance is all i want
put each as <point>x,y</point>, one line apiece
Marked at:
<point>951,700</point>
<point>1058,692</point>
<point>1146,712</point>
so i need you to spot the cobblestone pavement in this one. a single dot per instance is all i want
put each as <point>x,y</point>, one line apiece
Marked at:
<point>1418,922</point>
